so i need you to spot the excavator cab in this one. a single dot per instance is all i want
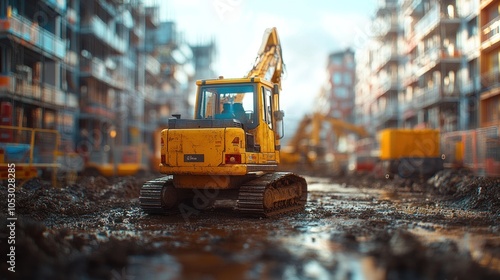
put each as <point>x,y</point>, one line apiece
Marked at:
<point>237,117</point>
<point>227,102</point>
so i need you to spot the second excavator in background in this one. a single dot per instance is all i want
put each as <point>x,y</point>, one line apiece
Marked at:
<point>231,149</point>
<point>307,151</point>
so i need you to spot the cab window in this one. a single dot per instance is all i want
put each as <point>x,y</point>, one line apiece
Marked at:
<point>228,102</point>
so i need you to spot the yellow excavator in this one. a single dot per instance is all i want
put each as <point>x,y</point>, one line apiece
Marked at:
<point>231,149</point>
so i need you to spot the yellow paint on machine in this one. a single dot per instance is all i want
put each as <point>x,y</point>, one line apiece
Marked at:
<point>195,147</point>
<point>409,143</point>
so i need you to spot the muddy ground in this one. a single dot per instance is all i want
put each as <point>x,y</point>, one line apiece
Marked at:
<point>356,227</point>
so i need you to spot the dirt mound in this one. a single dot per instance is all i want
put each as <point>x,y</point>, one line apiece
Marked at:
<point>405,257</point>
<point>468,191</point>
<point>88,195</point>
<point>61,254</point>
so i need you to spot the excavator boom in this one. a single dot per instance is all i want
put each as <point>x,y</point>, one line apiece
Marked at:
<point>269,62</point>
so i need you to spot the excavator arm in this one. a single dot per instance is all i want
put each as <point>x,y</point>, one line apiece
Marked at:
<point>339,127</point>
<point>269,62</point>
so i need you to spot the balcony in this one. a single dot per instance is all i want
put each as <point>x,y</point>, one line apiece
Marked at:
<point>433,57</point>
<point>469,9</point>
<point>390,112</point>
<point>427,97</point>
<point>43,92</point>
<point>97,69</point>
<point>413,7</point>
<point>93,109</point>
<point>426,60</point>
<point>58,5</point>
<point>387,25</point>
<point>427,23</point>
<point>490,33</point>
<point>30,33</point>
<point>436,94</point>
<point>410,75</point>
<point>388,84</point>
<point>152,65</point>
<point>102,31</point>
<point>385,55</point>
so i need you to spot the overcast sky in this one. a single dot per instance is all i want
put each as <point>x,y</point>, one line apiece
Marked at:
<point>308,30</point>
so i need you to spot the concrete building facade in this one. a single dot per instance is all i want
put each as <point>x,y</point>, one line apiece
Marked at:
<point>104,73</point>
<point>340,85</point>
<point>387,65</point>
<point>424,61</point>
<point>33,61</point>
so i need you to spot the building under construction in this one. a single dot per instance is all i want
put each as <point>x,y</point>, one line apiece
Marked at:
<point>89,71</point>
<point>434,64</point>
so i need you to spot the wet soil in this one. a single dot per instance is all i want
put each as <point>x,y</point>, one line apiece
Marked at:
<point>354,227</point>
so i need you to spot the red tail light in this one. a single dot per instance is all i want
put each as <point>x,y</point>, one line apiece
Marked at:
<point>232,158</point>
<point>163,159</point>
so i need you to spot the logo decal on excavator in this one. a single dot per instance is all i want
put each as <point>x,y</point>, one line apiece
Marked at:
<point>194,158</point>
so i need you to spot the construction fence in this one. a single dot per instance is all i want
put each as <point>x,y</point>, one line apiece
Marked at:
<point>477,150</point>
<point>34,153</point>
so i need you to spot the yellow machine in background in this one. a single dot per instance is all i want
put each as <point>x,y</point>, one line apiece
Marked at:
<point>307,151</point>
<point>231,147</point>
<point>410,152</point>
<point>123,161</point>
<point>26,152</point>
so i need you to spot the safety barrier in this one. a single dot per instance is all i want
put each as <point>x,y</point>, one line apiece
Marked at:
<point>477,150</point>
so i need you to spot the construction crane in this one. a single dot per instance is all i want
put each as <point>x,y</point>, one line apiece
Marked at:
<point>231,147</point>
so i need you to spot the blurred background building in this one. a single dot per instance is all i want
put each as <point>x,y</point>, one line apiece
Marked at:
<point>104,73</point>
<point>33,51</point>
<point>340,85</point>
<point>430,64</point>
<point>107,74</point>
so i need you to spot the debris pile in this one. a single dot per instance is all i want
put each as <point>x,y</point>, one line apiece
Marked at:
<point>62,254</point>
<point>468,191</point>
<point>89,195</point>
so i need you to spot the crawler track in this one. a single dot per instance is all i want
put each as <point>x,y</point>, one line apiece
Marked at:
<point>153,193</point>
<point>273,194</point>
<point>265,196</point>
